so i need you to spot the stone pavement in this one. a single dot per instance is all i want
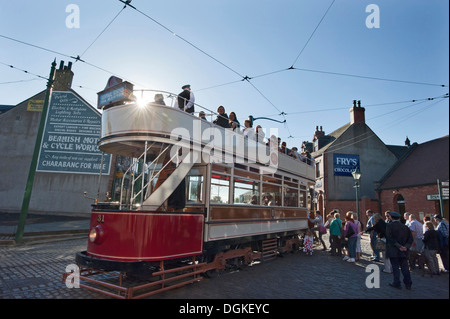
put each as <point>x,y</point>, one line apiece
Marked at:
<point>39,228</point>
<point>35,272</point>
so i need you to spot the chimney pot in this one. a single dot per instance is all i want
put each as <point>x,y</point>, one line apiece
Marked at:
<point>63,78</point>
<point>357,113</point>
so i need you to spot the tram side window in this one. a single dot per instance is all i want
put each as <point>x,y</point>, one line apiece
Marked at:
<point>271,195</point>
<point>302,198</point>
<point>290,197</point>
<point>246,192</point>
<point>220,186</point>
<point>195,189</point>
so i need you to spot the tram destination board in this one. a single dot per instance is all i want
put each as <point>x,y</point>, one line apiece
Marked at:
<point>72,130</point>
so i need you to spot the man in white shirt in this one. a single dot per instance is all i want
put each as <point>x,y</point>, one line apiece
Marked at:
<point>417,231</point>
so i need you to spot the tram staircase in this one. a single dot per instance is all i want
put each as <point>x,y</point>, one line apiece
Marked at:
<point>156,198</point>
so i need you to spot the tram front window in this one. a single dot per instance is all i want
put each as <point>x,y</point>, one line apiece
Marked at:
<point>195,189</point>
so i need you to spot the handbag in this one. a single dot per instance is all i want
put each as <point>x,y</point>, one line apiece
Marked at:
<point>322,230</point>
<point>350,232</point>
<point>381,244</point>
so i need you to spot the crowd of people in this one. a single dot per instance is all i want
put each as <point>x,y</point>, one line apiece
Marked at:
<point>257,134</point>
<point>404,242</point>
<point>186,101</point>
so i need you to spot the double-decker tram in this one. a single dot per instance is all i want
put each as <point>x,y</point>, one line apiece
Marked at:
<point>196,200</point>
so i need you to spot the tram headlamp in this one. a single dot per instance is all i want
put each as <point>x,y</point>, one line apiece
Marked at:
<point>92,235</point>
<point>96,234</point>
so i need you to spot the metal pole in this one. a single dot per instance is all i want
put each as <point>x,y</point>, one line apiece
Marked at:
<point>143,174</point>
<point>441,204</point>
<point>357,198</point>
<point>32,171</point>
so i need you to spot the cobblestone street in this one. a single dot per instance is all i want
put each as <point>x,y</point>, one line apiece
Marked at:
<point>35,272</point>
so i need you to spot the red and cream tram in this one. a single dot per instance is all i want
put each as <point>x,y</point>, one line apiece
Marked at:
<point>198,198</point>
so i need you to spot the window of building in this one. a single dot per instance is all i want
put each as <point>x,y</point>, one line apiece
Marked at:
<point>318,172</point>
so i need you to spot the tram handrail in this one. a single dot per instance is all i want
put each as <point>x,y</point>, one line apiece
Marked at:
<point>142,174</point>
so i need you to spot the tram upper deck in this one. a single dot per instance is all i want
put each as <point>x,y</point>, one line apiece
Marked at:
<point>132,128</point>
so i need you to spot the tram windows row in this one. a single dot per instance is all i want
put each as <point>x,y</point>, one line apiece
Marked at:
<point>246,191</point>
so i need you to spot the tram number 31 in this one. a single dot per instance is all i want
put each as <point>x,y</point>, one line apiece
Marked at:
<point>101,218</point>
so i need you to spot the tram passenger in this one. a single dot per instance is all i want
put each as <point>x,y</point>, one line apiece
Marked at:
<point>268,200</point>
<point>222,117</point>
<point>233,122</point>
<point>318,221</point>
<point>202,116</point>
<point>248,130</point>
<point>186,99</point>
<point>159,99</point>
<point>283,149</point>
<point>259,134</point>
<point>254,200</point>
<point>294,153</point>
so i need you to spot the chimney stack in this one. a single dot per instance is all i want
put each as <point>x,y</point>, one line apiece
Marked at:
<point>63,77</point>
<point>357,113</point>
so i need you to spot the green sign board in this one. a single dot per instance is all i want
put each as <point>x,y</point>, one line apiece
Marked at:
<point>69,144</point>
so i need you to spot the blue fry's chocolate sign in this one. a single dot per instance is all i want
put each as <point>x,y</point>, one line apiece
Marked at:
<point>345,164</point>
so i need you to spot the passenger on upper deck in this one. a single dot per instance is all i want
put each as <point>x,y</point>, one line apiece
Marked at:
<point>222,117</point>
<point>186,99</point>
<point>159,99</point>
<point>294,153</point>
<point>248,130</point>
<point>283,149</point>
<point>233,122</point>
<point>259,134</point>
<point>202,116</point>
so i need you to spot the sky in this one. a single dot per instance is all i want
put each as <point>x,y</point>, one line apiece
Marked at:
<point>393,57</point>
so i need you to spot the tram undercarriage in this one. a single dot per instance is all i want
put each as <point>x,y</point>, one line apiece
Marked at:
<point>135,280</point>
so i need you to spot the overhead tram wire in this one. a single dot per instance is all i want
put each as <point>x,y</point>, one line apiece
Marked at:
<point>312,34</point>
<point>369,134</point>
<point>107,26</point>
<point>369,77</point>
<point>370,105</point>
<point>77,58</point>
<point>25,71</point>
<point>127,3</point>
<point>243,78</point>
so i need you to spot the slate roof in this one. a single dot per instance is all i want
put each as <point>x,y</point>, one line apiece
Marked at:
<point>4,108</point>
<point>422,165</point>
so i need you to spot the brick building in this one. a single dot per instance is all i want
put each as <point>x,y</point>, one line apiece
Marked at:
<point>411,185</point>
<point>339,153</point>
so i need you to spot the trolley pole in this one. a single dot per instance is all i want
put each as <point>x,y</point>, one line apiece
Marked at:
<point>32,171</point>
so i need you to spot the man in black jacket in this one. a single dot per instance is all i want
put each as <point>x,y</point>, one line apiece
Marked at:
<point>398,241</point>
<point>186,99</point>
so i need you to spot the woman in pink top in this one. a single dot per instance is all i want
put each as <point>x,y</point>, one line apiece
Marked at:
<point>350,232</point>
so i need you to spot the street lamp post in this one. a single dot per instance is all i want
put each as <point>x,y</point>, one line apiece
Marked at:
<point>357,176</point>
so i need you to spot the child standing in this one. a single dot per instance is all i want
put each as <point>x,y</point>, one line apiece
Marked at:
<point>308,243</point>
